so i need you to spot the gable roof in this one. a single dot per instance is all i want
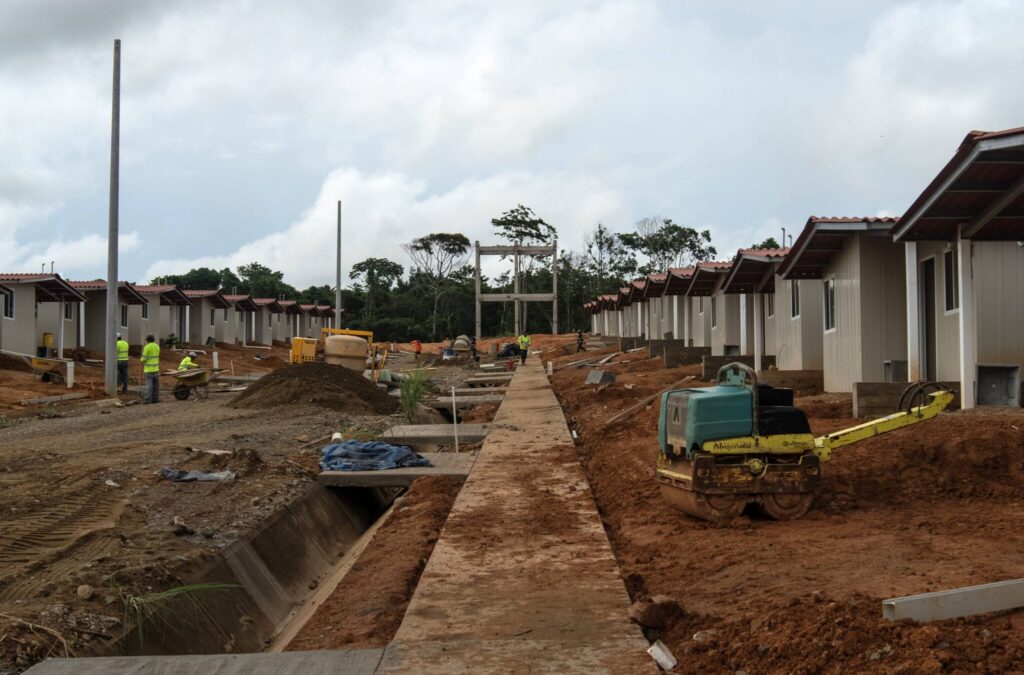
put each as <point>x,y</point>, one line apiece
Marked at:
<point>272,305</point>
<point>170,295</point>
<point>981,188</point>
<point>49,287</point>
<point>125,291</point>
<point>705,277</point>
<point>821,238</point>
<point>752,270</point>
<point>214,296</point>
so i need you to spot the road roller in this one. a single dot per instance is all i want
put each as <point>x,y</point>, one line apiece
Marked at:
<point>741,443</point>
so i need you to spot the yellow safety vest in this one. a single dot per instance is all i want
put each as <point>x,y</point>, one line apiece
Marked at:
<point>524,341</point>
<point>187,363</point>
<point>151,358</point>
<point>122,350</point>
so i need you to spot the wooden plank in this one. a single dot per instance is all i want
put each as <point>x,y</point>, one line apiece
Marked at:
<point>54,399</point>
<point>994,597</point>
<point>442,464</point>
<point>411,434</point>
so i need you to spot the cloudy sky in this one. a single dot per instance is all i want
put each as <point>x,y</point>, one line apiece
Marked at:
<point>243,122</point>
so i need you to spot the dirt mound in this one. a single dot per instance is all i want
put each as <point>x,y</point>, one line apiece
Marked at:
<point>319,384</point>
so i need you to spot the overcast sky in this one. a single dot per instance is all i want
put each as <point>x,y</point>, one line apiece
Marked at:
<point>243,122</point>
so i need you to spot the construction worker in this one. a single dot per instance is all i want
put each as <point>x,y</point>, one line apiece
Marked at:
<point>579,342</point>
<point>151,369</point>
<point>122,363</point>
<point>417,348</point>
<point>187,363</point>
<point>524,347</point>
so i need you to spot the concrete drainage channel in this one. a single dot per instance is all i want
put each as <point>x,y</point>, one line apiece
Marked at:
<point>268,579</point>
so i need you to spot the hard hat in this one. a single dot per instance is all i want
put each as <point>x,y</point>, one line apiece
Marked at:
<point>192,355</point>
<point>118,336</point>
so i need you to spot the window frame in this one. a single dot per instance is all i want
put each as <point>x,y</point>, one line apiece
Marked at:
<point>124,315</point>
<point>714,313</point>
<point>950,282</point>
<point>145,310</point>
<point>7,308</point>
<point>794,299</point>
<point>69,314</point>
<point>213,316</point>
<point>700,305</point>
<point>829,302</point>
<point>769,305</point>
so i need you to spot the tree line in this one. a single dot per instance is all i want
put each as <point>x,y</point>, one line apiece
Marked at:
<point>433,297</point>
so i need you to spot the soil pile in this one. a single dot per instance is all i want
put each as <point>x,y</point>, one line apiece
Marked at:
<point>320,384</point>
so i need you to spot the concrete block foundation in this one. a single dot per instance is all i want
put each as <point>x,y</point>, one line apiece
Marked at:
<point>875,399</point>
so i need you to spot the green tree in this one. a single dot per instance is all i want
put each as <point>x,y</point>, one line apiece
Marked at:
<point>198,279</point>
<point>666,244</point>
<point>435,257</point>
<point>521,224</point>
<point>229,281</point>
<point>262,282</point>
<point>767,243</point>
<point>317,295</point>
<point>379,275</point>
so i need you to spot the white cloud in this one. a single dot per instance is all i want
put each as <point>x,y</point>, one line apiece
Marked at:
<point>383,211</point>
<point>73,257</point>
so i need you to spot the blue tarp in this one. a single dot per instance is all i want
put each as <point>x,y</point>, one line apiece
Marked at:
<point>368,456</point>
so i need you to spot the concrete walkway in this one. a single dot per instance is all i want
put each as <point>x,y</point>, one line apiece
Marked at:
<point>522,578</point>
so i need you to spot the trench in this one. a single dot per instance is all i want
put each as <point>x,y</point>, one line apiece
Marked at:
<point>269,584</point>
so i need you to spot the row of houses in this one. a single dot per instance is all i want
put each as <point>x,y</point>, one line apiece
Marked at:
<point>44,313</point>
<point>935,294</point>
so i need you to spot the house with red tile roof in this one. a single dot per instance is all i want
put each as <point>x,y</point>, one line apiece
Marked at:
<point>34,304</point>
<point>94,311</point>
<point>268,314</point>
<point>206,316</point>
<point>163,315</point>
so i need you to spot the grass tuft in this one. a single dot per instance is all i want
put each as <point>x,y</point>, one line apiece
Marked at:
<point>413,391</point>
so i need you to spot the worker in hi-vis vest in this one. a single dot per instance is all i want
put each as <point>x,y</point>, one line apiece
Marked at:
<point>151,369</point>
<point>187,363</point>
<point>524,346</point>
<point>122,363</point>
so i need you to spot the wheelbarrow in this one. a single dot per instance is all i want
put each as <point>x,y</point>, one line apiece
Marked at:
<point>192,380</point>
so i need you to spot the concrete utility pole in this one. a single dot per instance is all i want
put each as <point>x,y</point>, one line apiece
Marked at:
<point>337,276</point>
<point>110,350</point>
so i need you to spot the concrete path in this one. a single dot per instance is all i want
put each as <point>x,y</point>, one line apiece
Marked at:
<point>523,578</point>
<point>413,434</point>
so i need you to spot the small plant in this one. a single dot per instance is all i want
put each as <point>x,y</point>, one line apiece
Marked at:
<point>171,341</point>
<point>142,609</point>
<point>6,422</point>
<point>413,391</point>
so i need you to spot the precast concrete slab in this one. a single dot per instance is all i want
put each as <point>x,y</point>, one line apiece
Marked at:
<point>522,578</point>
<point>441,464</point>
<point>489,380</point>
<point>445,403</point>
<point>476,391</point>
<point>438,434</point>
<point>340,662</point>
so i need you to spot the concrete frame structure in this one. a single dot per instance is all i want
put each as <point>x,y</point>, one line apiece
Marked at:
<point>517,251</point>
<point>968,222</point>
<point>23,294</point>
<point>858,260</point>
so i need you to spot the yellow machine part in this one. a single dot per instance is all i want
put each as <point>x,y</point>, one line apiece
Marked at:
<point>303,350</point>
<point>776,444</point>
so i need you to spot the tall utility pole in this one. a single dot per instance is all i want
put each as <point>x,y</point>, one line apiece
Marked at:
<point>337,276</point>
<point>110,351</point>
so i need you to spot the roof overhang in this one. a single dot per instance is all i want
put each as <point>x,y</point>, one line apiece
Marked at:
<point>216,298</point>
<point>678,281</point>
<point>753,272</point>
<point>268,304</point>
<point>243,303</point>
<point>705,279</point>
<point>170,296</point>
<point>655,285</point>
<point>49,288</point>
<point>979,192</point>
<point>822,238</point>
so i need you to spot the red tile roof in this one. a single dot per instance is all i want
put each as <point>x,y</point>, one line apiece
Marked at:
<point>766,252</point>
<point>201,293</point>
<point>854,219</point>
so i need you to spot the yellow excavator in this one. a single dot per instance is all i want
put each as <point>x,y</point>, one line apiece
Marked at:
<point>740,442</point>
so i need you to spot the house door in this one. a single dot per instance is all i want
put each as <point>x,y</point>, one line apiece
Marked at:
<point>928,301</point>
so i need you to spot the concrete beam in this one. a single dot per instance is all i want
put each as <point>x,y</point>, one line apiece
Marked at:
<point>412,434</point>
<point>522,297</point>
<point>994,597</point>
<point>511,250</point>
<point>452,464</point>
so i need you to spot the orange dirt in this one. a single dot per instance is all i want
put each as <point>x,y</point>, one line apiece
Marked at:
<point>935,506</point>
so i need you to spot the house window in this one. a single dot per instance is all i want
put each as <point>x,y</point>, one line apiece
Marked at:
<point>225,313</point>
<point>830,304</point>
<point>67,311</point>
<point>7,300</point>
<point>124,316</point>
<point>270,320</point>
<point>714,312</point>
<point>952,268</point>
<point>145,310</point>
<point>213,314</point>
<point>769,303</point>
<point>279,318</point>
<point>794,298</point>
<point>700,305</point>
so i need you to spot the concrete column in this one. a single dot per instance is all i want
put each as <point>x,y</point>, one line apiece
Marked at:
<point>476,282</point>
<point>968,324</point>
<point>81,324</point>
<point>744,340</point>
<point>639,319</point>
<point>758,331</point>
<point>913,314</point>
<point>60,332</point>
<point>677,321</point>
<point>188,325</point>
<point>618,323</point>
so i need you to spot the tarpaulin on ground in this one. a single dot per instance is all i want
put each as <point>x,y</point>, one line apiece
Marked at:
<point>182,476</point>
<point>368,456</point>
